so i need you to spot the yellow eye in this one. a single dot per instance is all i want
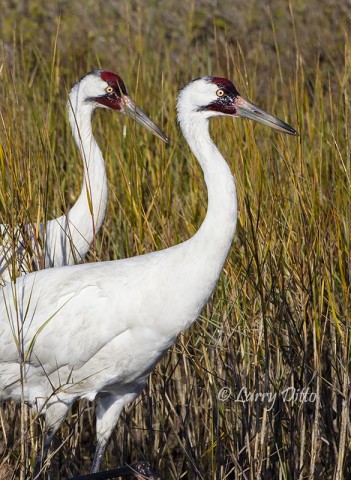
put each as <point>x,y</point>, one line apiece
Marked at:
<point>220,93</point>
<point>109,89</point>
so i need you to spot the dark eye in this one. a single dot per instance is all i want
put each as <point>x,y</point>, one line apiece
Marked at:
<point>220,92</point>
<point>109,89</point>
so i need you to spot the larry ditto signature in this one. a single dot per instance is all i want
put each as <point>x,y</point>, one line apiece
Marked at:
<point>289,394</point>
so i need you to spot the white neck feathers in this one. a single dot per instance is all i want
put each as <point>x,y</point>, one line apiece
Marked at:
<point>89,211</point>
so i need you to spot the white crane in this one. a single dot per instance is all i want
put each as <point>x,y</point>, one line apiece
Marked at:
<point>96,331</point>
<point>66,240</point>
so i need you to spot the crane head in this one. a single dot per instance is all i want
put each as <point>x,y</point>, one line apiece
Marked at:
<point>213,96</point>
<point>107,90</point>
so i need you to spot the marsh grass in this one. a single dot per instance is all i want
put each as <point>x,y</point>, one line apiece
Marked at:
<point>279,318</point>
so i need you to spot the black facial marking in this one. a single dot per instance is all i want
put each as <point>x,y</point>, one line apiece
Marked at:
<point>225,103</point>
<point>111,100</point>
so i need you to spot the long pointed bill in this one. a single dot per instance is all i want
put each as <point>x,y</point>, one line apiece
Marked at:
<point>246,109</point>
<point>139,116</point>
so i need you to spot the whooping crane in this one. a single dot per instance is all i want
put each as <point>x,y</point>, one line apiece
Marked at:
<point>66,240</point>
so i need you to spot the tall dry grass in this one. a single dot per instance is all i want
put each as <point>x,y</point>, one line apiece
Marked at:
<point>259,387</point>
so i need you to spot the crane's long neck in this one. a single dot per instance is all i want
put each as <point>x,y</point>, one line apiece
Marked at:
<point>88,213</point>
<point>216,233</point>
<point>199,261</point>
<point>194,266</point>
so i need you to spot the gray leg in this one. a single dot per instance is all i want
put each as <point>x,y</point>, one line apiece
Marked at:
<point>108,410</point>
<point>98,456</point>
